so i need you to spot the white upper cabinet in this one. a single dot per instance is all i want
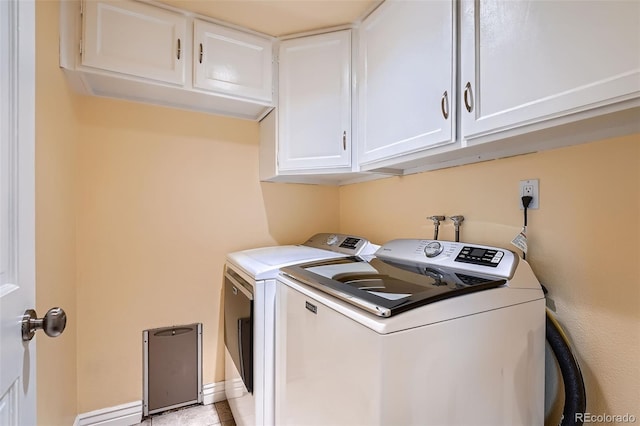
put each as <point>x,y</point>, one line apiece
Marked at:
<point>136,39</point>
<point>406,79</point>
<point>147,52</point>
<point>314,127</point>
<point>529,61</point>
<point>233,62</point>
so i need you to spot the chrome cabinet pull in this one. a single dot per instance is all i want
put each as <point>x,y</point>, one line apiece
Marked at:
<point>179,49</point>
<point>444,105</point>
<point>201,51</point>
<point>53,323</point>
<point>468,97</point>
<point>344,140</point>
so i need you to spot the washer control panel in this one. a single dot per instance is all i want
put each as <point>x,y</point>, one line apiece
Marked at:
<point>480,256</point>
<point>471,258</point>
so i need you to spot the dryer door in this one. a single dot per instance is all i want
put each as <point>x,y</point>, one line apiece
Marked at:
<point>238,325</point>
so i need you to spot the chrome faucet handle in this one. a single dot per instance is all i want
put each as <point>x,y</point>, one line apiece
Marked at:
<point>457,220</point>
<point>436,219</point>
<point>436,224</point>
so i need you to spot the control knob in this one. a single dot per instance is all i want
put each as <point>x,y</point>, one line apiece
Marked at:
<point>332,239</point>
<point>433,248</point>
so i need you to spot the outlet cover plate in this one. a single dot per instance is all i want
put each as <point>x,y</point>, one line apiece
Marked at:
<point>529,187</point>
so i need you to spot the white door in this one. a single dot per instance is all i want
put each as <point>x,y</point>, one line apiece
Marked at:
<point>136,39</point>
<point>406,72</point>
<point>527,61</point>
<point>315,102</point>
<point>17,255</point>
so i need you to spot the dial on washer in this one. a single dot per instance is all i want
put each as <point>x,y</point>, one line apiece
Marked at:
<point>433,249</point>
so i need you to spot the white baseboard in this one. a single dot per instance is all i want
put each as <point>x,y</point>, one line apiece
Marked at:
<point>131,413</point>
<point>213,392</point>
<point>234,388</point>
<point>120,415</point>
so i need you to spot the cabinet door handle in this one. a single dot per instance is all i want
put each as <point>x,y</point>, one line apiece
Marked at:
<point>179,50</point>
<point>444,105</point>
<point>468,97</point>
<point>201,52</point>
<point>344,140</point>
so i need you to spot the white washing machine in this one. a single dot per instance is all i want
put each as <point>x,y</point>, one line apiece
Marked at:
<point>249,302</point>
<point>424,333</point>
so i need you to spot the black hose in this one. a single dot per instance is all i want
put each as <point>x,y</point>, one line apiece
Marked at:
<point>575,399</point>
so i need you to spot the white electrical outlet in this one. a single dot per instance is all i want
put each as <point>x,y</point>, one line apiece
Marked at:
<point>529,187</point>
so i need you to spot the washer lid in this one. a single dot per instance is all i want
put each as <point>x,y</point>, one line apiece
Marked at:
<point>384,287</point>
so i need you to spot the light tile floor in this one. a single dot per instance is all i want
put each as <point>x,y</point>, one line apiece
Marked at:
<point>218,413</point>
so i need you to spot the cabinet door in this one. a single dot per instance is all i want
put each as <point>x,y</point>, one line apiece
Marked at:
<point>406,75</point>
<point>136,39</point>
<point>315,102</point>
<point>527,61</point>
<point>232,62</point>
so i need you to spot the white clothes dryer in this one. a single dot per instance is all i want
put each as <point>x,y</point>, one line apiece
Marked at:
<point>249,303</point>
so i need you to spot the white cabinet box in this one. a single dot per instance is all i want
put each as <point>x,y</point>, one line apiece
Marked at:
<point>406,78</point>
<point>142,52</point>
<point>315,102</point>
<point>308,137</point>
<point>135,39</point>
<point>533,75</point>
<point>528,61</point>
<point>232,62</point>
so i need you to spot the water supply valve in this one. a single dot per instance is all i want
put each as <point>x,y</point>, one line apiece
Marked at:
<point>436,224</point>
<point>457,221</point>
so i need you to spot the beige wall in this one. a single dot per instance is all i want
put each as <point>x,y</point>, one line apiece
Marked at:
<point>163,196</point>
<point>56,135</point>
<point>136,207</point>
<point>584,242</point>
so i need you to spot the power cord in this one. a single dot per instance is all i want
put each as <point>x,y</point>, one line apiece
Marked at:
<point>575,396</point>
<point>526,200</point>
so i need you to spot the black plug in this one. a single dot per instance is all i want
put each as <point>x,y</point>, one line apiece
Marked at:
<point>526,200</point>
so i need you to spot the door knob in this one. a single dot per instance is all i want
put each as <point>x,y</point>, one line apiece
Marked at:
<point>53,323</point>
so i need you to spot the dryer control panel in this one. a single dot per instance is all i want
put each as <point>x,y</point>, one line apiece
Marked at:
<point>476,259</point>
<point>340,243</point>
